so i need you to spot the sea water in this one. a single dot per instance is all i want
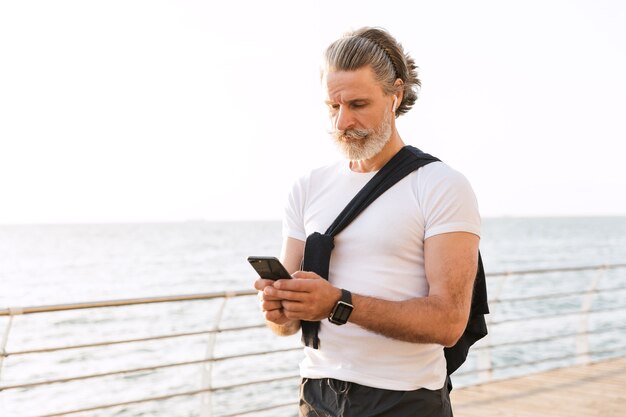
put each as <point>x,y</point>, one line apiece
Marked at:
<point>57,264</point>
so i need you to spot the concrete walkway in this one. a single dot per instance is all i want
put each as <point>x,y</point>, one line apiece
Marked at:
<point>597,389</point>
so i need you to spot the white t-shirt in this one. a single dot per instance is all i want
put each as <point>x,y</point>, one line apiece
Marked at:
<point>380,254</point>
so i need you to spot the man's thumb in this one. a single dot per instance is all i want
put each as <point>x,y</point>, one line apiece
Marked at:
<point>305,275</point>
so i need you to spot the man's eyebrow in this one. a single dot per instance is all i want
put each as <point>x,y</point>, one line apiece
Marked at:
<point>351,101</point>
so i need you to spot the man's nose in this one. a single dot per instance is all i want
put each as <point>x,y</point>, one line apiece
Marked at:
<point>344,119</point>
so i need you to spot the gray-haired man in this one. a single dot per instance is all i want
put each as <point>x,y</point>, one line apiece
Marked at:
<point>406,264</point>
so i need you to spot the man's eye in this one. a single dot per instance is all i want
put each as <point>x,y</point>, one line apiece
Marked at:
<point>357,105</point>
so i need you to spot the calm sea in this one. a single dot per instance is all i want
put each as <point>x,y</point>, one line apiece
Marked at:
<point>54,264</point>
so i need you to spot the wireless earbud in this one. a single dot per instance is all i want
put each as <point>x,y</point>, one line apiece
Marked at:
<point>395,101</point>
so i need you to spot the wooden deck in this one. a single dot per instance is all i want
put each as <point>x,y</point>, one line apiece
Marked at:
<point>592,390</point>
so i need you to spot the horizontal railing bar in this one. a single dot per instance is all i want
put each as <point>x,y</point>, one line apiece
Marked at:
<point>230,357</point>
<point>14,311</point>
<point>223,358</point>
<point>539,361</point>
<point>557,295</point>
<point>547,339</point>
<point>143,369</point>
<point>203,332</point>
<point>551,316</point>
<point>122,341</point>
<point>258,410</point>
<point>548,270</point>
<point>228,294</point>
<point>255,382</point>
<point>169,396</point>
<point>258,326</point>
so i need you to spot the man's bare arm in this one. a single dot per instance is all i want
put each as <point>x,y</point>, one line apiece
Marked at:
<point>450,262</point>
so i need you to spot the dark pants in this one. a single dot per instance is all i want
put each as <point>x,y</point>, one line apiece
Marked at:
<point>333,398</point>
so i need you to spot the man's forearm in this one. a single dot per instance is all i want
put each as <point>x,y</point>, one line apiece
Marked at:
<point>418,320</point>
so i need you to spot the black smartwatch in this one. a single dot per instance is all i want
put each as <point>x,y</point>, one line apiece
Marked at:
<point>343,309</point>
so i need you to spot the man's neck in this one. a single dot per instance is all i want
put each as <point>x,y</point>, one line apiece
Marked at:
<point>381,158</point>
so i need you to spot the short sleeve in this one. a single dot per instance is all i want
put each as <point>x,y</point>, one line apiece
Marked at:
<point>448,201</point>
<point>293,216</point>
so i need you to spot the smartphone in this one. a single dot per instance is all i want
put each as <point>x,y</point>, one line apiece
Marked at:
<point>268,267</point>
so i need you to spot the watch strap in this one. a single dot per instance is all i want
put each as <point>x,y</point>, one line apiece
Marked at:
<point>342,310</point>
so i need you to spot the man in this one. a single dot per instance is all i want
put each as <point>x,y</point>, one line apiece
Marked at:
<point>408,261</point>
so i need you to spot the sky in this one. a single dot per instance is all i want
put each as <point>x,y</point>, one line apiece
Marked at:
<point>148,111</point>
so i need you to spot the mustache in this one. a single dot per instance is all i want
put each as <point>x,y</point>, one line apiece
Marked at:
<point>350,133</point>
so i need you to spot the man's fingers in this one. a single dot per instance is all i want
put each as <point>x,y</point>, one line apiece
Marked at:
<point>260,284</point>
<point>276,316</point>
<point>301,281</point>
<point>305,275</point>
<point>276,294</point>
<point>271,305</point>
<point>295,310</point>
<point>266,297</point>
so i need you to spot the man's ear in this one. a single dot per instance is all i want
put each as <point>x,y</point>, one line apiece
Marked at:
<point>399,86</point>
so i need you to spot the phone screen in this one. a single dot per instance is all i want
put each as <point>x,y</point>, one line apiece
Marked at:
<point>269,267</point>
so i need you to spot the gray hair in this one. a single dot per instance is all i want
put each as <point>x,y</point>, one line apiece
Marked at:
<point>378,49</point>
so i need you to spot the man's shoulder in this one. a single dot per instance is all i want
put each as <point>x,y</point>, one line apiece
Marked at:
<point>438,181</point>
<point>440,171</point>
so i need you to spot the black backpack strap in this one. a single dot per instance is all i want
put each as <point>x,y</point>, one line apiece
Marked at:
<point>318,247</point>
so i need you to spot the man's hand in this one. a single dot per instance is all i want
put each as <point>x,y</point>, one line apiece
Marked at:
<point>271,306</point>
<point>305,297</point>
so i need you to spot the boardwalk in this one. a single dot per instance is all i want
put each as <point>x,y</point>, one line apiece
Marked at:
<point>593,390</point>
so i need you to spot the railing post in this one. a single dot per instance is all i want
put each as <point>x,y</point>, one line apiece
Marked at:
<point>5,337</point>
<point>582,337</point>
<point>206,403</point>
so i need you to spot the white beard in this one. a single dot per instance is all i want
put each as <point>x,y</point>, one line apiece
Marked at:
<point>359,144</point>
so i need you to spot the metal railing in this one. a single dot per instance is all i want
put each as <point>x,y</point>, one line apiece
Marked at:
<point>481,370</point>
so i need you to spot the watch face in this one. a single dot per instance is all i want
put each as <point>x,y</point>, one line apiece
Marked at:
<point>341,313</point>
